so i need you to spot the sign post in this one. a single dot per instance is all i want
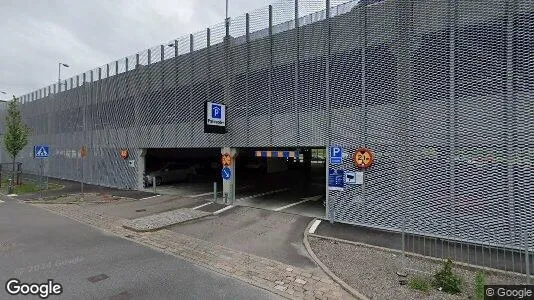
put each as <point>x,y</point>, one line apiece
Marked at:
<point>83,153</point>
<point>228,174</point>
<point>41,151</point>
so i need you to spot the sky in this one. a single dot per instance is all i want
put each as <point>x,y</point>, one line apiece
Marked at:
<point>35,35</point>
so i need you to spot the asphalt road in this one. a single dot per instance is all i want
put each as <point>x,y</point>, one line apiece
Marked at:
<point>36,245</point>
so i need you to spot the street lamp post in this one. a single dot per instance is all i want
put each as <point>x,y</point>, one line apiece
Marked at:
<point>59,75</point>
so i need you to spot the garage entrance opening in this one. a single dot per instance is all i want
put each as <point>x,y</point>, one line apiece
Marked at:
<point>287,179</point>
<point>182,171</point>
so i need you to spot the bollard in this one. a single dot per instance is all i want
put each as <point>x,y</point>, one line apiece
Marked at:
<point>10,186</point>
<point>225,198</point>
<point>154,184</point>
<point>215,192</point>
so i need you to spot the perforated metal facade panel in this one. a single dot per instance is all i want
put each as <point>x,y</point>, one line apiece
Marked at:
<point>440,90</point>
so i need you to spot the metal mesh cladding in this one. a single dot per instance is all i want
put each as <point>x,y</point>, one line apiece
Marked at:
<point>441,91</point>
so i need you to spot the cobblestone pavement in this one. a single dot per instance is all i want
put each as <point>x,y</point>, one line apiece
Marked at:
<point>161,220</point>
<point>282,279</point>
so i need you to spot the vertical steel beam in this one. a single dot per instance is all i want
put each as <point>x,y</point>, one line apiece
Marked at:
<point>404,100</point>
<point>453,17</point>
<point>247,78</point>
<point>107,70</point>
<point>271,74</point>
<point>208,50</point>
<point>161,94</point>
<point>510,100</point>
<point>191,76</point>
<point>363,106</point>
<point>297,57</point>
<point>328,117</point>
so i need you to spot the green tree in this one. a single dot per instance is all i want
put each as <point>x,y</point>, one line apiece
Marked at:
<point>16,134</point>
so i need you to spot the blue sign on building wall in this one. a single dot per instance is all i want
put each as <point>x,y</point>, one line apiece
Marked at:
<point>336,155</point>
<point>336,179</point>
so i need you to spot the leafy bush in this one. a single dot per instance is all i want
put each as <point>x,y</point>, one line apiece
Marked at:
<point>446,280</point>
<point>419,283</point>
<point>480,281</point>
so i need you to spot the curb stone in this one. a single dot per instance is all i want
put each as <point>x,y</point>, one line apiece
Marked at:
<point>343,284</point>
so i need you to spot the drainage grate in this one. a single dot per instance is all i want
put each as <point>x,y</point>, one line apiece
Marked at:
<point>97,278</point>
<point>121,296</point>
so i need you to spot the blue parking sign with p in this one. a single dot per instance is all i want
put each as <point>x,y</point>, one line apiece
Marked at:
<point>216,111</point>
<point>336,155</point>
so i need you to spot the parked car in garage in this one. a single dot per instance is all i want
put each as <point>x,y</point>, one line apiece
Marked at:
<point>170,172</point>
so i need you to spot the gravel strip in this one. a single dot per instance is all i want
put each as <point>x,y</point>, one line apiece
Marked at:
<point>373,272</point>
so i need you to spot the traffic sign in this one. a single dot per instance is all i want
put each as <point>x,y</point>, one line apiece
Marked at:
<point>226,160</point>
<point>363,158</point>
<point>226,173</point>
<point>336,155</point>
<point>41,151</point>
<point>124,153</point>
<point>335,180</point>
<point>83,152</point>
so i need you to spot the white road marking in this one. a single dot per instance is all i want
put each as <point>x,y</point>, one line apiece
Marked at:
<point>223,209</point>
<point>264,194</point>
<point>218,193</point>
<point>313,198</point>
<point>314,226</point>
<point>150,197</point>
<point>197,207</point>
<point>200,195</point>
<point>12,195</point>
<point>1,201</point>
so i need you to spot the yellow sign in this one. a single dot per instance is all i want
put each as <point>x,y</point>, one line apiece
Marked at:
<point>363,158</point>
<point>124,153</point>
<point>226,160</point>
<point>83,152</point>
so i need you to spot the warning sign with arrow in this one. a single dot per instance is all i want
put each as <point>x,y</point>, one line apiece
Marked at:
<point>363,158</point>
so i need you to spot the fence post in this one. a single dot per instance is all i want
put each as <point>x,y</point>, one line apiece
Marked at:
<point>527,260</point>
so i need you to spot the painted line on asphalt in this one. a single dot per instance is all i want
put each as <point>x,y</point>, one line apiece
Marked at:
<point>150,197</point>
<point>219,193</point>
<point>264,194</point>
<point>314,226</point>
<point>1,201</point>
<point>313,198</point>
<point>223,209</point>
<point>197,207</point>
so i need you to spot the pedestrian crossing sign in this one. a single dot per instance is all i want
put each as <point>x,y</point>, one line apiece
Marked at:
<point>41,151</point>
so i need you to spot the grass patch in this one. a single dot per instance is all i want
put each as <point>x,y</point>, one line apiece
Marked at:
<point>480,281</point>
<point>419,283</point>
<point>28,188</point>
<point>447,280</point>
